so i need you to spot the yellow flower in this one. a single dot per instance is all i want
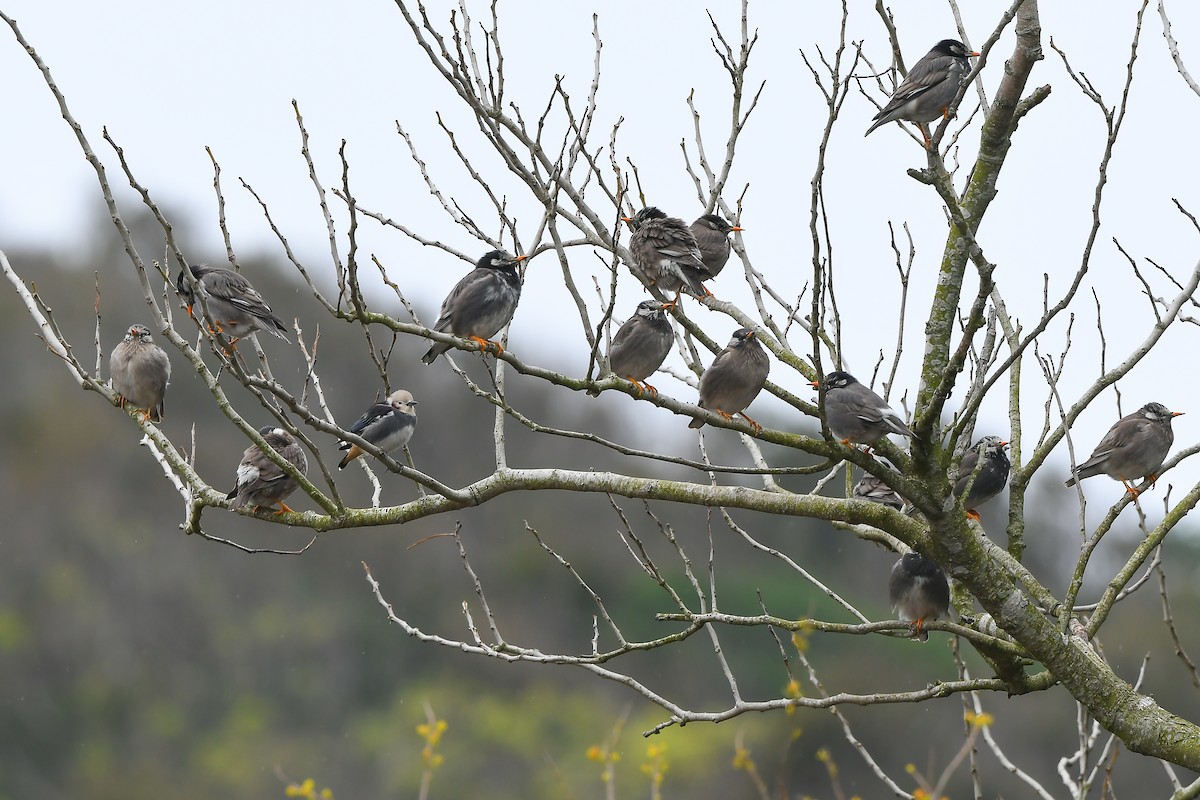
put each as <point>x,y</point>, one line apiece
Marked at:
<point>981,720</point>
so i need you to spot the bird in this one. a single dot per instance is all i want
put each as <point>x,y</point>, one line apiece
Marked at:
<point>918,591</point>
<point>734,378</point>
<point>262,482</point>
<point>712,237</point>
<point>640,346</point>
<point>666,252</point>
<point>1133,448</point>
<point>856,414</point>
<point>140,372</point>
<point>480,304</point>
<point>929,88</point>
<point>992,476</point>
<point>388,425</point>
<point>235,308</point>
<point>875,490</point>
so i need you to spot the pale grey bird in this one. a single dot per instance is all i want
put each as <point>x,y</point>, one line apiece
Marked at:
<point>480,304</point>
<point>1134,448</point>
<point>712,237</point>
<point>235,307</point>
<point>260,481</point>
<point>734,378</point>
<point>640,346</point>
<point>875,490</point>
<point>918,591</point>
<point>930,86</point>
<point>665,250</point>
<point>854,413</point>
<point>992,477</point>
<point>388,425</point>
<point>140,373</point>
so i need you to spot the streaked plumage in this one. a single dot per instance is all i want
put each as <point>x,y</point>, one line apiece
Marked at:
<point>235,307</point>
<point>665,250</point>
<point>1134,448</point>
<point>260,481</point>
<point>875,490</point>
<point>140,372</point>
<point>712,238</point>
<point>992,477</point>
<point>855,414</point>
<point>640,346</point>
<point>918,591</point>
<point>734,378</point>
<point>480,304</point>
<point>930,86</point>
<point>389,426</point>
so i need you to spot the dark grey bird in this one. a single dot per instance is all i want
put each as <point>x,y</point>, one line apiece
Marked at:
<point>919,592</point>
<point>480,304</point>
<point>991,478</point>
<point>388,425</point>
<point>930,86</point>
<point>665,250</point>
<point>712,237</point>
<point>854,413</point>
<point>734,378</point>
<point>260,481</point>
<point>640,346</point>
<point>140,373</point>
<point>235,308</point>
<point>1132,449</point>
<point>875,490</point>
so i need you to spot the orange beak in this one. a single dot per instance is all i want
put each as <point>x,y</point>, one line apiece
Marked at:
<point>737,228</point>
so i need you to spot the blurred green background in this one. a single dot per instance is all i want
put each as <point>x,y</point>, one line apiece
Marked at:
<point>138,662</point>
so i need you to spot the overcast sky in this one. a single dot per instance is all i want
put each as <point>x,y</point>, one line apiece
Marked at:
<point>169,79</point>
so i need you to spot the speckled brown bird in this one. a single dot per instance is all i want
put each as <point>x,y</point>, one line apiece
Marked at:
<point>260,481</point>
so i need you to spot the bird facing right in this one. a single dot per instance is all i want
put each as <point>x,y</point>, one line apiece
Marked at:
<point>388,425</point>
<point>918,591</point>
<point>480,304</point>
<point>992,477</point>
<point>854,413</point>
<point>1135,447</point>
<point>712,237</point>
<point>140,372</point>
<point>260,481</point>
<point>640,346</point>
<point>665,250</point>
<point>930,86</point>
<point>235,307</point>
<point>734,378</point>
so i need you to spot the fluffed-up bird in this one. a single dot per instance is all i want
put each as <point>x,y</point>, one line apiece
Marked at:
<point>929,88</point>
<point>712,238</point>
<point>235,308</point>
<point>480,304</point>
<point>875,490</point>
<point>262,482</point>
<point>854,413</point>
<point>388,425</point>
<point>640,346</point>
<point>919,592</point>
<point>665,250</point>
<point>991,477</point>
<point>140,372</point>
<point>1134,448</point>
<point>734,378</point>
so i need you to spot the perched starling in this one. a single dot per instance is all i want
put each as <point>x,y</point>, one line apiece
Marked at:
<point>480,304</point>
<point>1133,448</point>
<point>140,373</point>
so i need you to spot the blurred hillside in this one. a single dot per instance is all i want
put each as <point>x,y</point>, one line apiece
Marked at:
<point>139,662</point>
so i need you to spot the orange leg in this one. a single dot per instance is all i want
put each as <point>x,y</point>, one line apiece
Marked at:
<point>973,514</point>
<point>757,428</point>
<point>486,344</point>
<point>652,390</point>
<point>1131,489</point>
<point>282,508</point>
